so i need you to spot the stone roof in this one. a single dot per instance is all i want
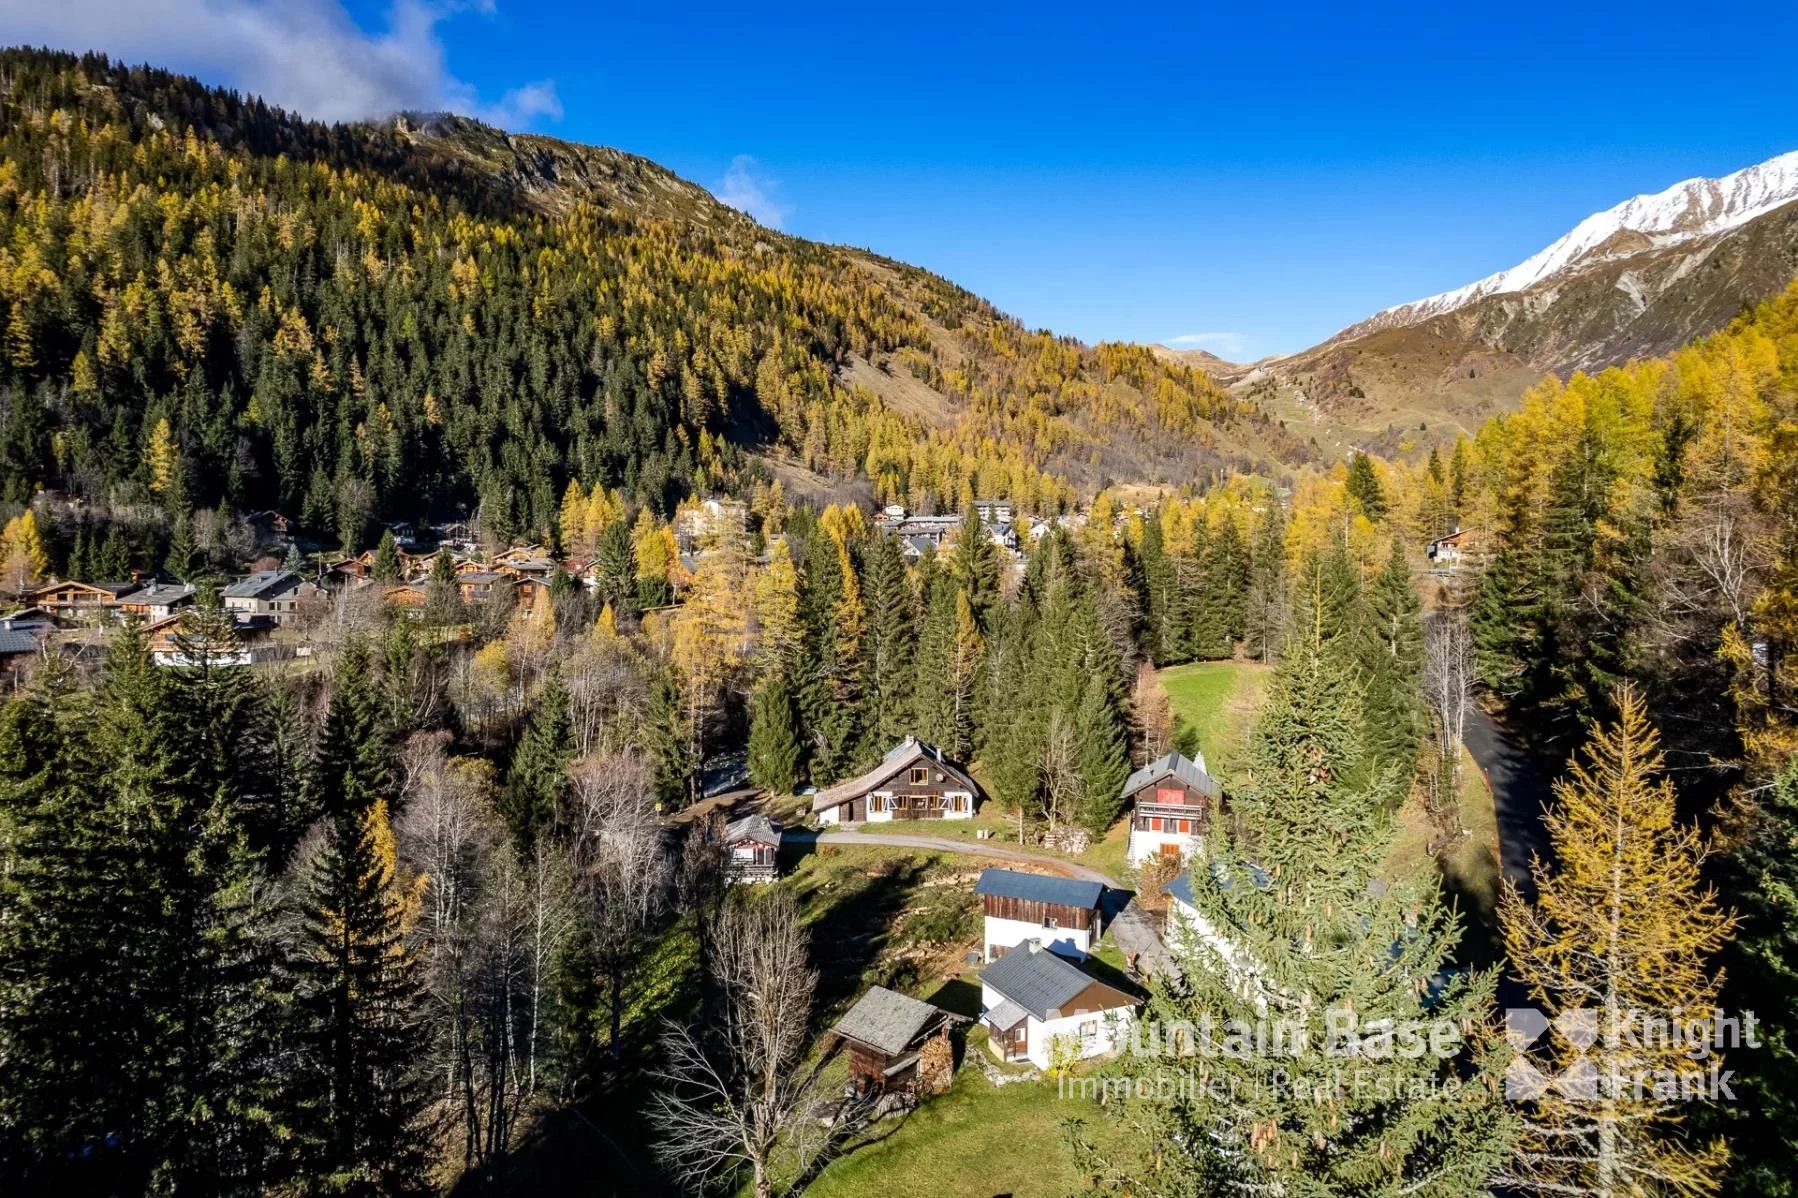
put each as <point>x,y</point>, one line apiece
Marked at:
<point>755,826</point>
<point>886,1020</point>
<point>262,584</point>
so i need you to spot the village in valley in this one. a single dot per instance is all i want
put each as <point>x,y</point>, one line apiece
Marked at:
<point>1037,939</point>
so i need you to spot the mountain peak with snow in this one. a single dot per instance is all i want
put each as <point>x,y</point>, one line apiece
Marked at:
<point>1687,211</point>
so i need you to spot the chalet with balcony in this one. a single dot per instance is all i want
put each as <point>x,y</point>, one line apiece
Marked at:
<point>1446,551</point>
<point>884,1033</point>
<point>913,781</point>
<point>1171,800</point>
<point>73,603</point>
<point>477,585</point>
<point>1061,914</point>
<point>407,597</point>
<point>752,849</point>
<point>1038,1007</point>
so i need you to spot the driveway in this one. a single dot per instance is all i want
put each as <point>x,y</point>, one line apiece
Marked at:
<point>1132,927</point>
<point>1519,792</point>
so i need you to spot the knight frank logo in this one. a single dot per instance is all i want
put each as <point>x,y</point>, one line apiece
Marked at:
<point>1666,1056</point>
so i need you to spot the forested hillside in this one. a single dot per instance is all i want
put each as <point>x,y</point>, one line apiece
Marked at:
<point>208,301</point>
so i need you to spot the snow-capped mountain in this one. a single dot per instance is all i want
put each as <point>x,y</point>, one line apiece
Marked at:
<point>1636,280</point>
<point>1688,211</point>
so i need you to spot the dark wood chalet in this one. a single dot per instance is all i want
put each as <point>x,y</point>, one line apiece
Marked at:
<point>913,781</point>
<point>1170,800</point>
<point>1062,914</point>
<point>884,1032</point>
<point>752,845</point>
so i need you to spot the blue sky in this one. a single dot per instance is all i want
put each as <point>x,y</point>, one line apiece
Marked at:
<point>1254,176</point>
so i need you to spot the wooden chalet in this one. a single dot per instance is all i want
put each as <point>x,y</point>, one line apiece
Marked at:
<point>1062,914</point>
<point>532,593</point>
<point>913,781</point>
<point>884,1032</point>
<point>752,845</point>
<point>475,586</point>
<point>157,602</point>
<point>1446,551</point>
<point>407,597</point>
<point>70,602</point>
<point>1171,801</point>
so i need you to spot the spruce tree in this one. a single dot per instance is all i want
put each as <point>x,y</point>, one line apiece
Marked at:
<point>349,768</point>
<point>1391,660</point>
<point>537,782</point>
<point>1307,932</point>
<point>1364,487</point>
<point>1264,615</point>
<point>356,1015</point>
<point>387,558</point>
<point>182,555</point>
<point>665,741</point>
<point>773,739</point>
<point>974,565</point>
<point>888,649</point>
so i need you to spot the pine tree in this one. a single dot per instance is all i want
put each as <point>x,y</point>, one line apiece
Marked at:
<point>615,569</point>
<point>387,558</point>
<point>356,1013</point>
<point>537,782</point>
<point>1364,487</point>
<point>1158,594</point>
<point>1761,874</point>
<point>887,649</point>
<point>773,738</point>
<point>974,565</point>
<point>1103,739</point>
<point>1304,931</point>
<point>1623,927</point>
<point>349,768</point>
<point>443,599</point>
<point>1391,660</point>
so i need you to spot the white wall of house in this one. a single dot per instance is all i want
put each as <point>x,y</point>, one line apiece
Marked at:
<point>1144,845</point>
<point>1069,942</point>
<point>1097,1032</point>
<point>831,815</point>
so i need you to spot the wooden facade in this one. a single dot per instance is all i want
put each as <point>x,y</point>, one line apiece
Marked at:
<point>1048,915</point>
<point>913,781</point>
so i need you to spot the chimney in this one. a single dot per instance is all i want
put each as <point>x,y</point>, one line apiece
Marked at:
<point>1035,944</point>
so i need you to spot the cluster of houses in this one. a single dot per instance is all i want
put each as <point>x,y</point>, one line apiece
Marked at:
<point>924,534</point>
<point>1041,999</point>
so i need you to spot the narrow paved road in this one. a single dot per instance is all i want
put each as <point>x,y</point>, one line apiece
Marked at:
<point>1518,793</point>
<point>1132,927</point>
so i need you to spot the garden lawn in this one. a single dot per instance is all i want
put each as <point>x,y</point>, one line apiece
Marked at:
<point>1218,701</point>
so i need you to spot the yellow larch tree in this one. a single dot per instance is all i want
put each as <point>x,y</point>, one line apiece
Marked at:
<point>1622,932</point>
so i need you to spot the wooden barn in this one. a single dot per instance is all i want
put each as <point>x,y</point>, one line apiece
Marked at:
<point>884,1032</point>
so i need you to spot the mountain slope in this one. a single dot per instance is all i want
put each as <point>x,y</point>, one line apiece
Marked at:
<point>1635,280</point>
<point>207,301</point>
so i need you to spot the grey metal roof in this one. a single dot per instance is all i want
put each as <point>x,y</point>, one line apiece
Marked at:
<point>1180,888</point>
<point>262,584</point>
<point>755,826</point>
<point>13,640</point>
<point>1180,767</point>
<point>163,593</point>
<point>1005,1016</point>
<point>1038,980</point>
<point>1040,888</point>
<point>886,1019</point>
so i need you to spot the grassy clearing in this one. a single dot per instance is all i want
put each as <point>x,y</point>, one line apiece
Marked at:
<point>1469,868</point>
<point>1218,701</point>
<point>975,1141</point>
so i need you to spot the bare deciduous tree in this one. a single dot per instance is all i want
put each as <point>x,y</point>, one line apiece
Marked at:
<point>738,1096</point>
<point>1448,689</point>
<point>623,867</point>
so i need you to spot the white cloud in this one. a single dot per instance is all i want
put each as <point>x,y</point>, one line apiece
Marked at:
<point>1234,346</point>
<point>309,56</point>
<point>747,189</point>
